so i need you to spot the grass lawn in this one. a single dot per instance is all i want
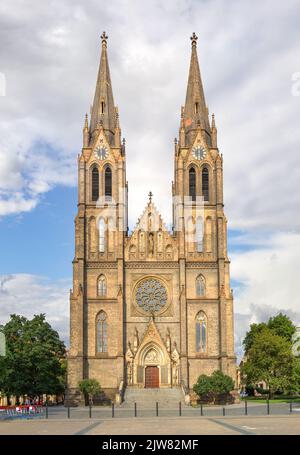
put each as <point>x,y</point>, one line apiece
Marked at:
<point>279,399</point>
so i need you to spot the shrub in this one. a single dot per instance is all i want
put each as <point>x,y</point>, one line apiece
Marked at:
<point>90,388</point>
<point>262,391</point>
<point>209,388</point>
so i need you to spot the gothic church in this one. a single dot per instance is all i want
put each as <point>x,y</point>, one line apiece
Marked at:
<point>153,308</point>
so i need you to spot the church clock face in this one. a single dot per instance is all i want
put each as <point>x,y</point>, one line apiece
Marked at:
<point>101,152</point>
<point>199,152</point>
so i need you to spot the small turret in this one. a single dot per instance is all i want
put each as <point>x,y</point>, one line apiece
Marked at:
<point>214,133</point>
<point>86,134</point>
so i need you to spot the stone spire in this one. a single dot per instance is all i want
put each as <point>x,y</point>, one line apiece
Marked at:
<point>103,110</point>
<point>195,110</point>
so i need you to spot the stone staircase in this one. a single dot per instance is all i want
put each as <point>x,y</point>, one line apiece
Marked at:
<point>147,398</point>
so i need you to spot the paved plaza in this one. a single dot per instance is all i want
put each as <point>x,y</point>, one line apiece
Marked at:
<point>240,425</point>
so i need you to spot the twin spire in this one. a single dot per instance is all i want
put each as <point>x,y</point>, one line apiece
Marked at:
<point>103,110</point>
<point>193,115</point>
<point>195,112</point>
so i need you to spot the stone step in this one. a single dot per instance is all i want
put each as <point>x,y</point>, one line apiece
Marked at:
<point>147,398</point>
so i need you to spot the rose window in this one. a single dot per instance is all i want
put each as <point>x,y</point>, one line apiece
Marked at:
<point>151,295</point>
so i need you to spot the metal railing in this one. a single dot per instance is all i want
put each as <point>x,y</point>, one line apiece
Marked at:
<point>156,409</point>
<point>178,409</point>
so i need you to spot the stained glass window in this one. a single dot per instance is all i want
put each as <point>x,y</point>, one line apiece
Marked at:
<point>200,286</point>
<point>199,234</point>
<point>201,332</point>
<point>205,184</point>
<point>101,286</point>
<point>101,332</point>
<point>192,183</point>
<point>95,184</point>
<point>101,235</point>
<point>108,183</point>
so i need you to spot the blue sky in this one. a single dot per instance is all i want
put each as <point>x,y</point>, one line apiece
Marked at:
<point>41,242</point>
<point>250,65</point>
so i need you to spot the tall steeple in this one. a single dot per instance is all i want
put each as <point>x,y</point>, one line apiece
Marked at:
<point>103,109</point>
<point>195,111</point>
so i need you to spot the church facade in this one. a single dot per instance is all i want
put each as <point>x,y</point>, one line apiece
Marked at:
<point>152,308</point>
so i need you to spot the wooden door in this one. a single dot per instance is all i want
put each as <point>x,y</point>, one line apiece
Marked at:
<point>151,377</point>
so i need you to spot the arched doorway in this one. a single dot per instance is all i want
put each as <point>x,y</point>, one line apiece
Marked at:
<point>151,377</point>
<point>151,365</point>
<point>152,361</point>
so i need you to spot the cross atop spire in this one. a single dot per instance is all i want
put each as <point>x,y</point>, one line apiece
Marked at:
<point>150,196</point>
<point>104,38</point>
<point>194,38</point>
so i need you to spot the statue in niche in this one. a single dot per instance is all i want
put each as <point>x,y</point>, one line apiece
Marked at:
<point>176,375</point>
<point>160,241</point>
<point>150,221</point>
<point>129,363</point>
<point>151,244</point>
<point>135,340</point>
<point>175,365</point>
<point>168,341</point>
<point>142,242</point>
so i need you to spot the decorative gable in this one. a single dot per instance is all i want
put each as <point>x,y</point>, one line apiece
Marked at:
<point>150,239</point>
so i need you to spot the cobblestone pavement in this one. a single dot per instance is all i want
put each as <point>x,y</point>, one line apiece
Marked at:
<point>228,425</point>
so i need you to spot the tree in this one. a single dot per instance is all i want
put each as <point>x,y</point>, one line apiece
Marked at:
<point>251,334</point>
<point>280,325</point>
<point>294,384</point>
<point>216,384</point>
<point>90,388</point>
<point>33,363</point>
<point>269,359</point>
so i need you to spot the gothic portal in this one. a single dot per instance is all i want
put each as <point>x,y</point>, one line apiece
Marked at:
<point>153,308</point>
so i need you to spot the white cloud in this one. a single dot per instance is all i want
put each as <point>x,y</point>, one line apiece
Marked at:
<point>269,278</point>
<point>29,294</point>
<point>16,203</point>
<point>51,64</point>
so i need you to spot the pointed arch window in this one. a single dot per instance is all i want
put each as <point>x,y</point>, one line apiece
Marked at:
<point>95,184</point>
<point>192,183</point>
<point>108,183</point>
<point>205,184</point>
<point>199,234</point>
<point>201,332</point>
<point>101,286</point>
<point>102,235</point>
<point>101,331</point>
<point>200,286</point>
